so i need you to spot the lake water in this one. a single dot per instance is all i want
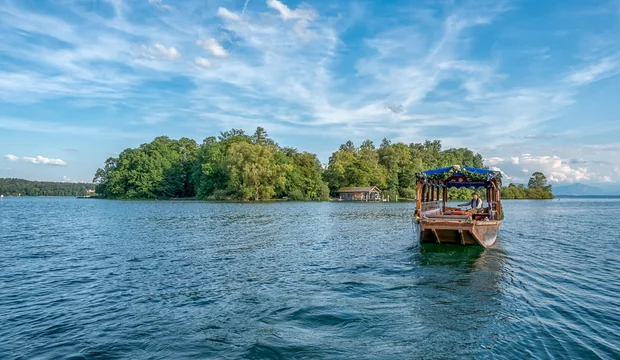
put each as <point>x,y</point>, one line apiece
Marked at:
<point>96,279</point>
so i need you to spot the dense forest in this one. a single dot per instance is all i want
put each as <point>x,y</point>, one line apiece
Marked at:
<point>231,166</point>
<point>16,187</point>
<point>235,165</point>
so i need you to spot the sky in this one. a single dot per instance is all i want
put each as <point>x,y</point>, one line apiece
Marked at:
<point>531,85</point>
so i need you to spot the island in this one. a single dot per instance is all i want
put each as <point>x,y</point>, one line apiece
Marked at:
<point>238,166</point>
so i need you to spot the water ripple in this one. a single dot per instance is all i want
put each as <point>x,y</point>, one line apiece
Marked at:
<point>155,280</point>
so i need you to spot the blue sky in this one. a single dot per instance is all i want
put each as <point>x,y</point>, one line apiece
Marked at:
<point>531,85</point>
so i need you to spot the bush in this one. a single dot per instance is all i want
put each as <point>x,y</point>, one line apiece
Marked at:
<point>408,193</point>
<point>219,195</point>
<point>323,193</point>
<point>297,195</point>
<point>392,193</point>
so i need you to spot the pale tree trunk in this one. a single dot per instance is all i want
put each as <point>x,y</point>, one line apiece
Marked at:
<point>256,187</point>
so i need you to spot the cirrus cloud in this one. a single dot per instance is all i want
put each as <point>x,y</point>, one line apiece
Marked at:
<point>286,13</point>
<point>445,72</point>
<point>213,46</point>
<point>202,62</point>
<point>11,157</point>
<point>227,14</point>
<point>159,51</point>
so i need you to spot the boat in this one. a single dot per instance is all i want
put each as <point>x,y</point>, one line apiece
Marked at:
<point>438,223</point>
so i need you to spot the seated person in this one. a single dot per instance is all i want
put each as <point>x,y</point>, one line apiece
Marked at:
<point>475,204</point>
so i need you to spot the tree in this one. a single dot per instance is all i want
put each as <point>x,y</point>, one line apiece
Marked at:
<point>209,171</point>
<point>234,165</point>
<point>261,137</point>
<point>537,179</point>
<point>17,187</point>
<point>348,146</point>
<point>513,191</point>
<point>253,172</point>
<point>303,176</point>
<point>161,168</point>
<point>234,135</point>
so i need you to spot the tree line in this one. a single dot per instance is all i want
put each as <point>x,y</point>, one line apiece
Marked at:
<point>235,165</point>
<point>537,188</point>
<point>17,187</point>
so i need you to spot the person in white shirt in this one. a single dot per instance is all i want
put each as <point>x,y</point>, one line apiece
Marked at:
<point>475,204</point>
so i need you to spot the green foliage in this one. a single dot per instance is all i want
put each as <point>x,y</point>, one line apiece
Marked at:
<point>392,167</point>
<point>16,187</point>
<point>159,169</point>
<point>513,191</point>
<point>253,171</point>
<point>457,169</point>
<point>537,179</point>
<point>234,165</point>
<point>230,166</point>
<point>465,193</point>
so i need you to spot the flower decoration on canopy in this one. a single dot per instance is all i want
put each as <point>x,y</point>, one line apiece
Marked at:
<point>457,170</point>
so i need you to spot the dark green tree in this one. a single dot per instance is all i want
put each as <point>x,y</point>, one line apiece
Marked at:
<point>537,179</point>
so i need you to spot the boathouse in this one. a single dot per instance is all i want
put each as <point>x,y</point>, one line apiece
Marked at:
<point>369,193</point>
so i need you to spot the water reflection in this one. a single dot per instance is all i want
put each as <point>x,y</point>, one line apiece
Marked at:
<point>460,294</point>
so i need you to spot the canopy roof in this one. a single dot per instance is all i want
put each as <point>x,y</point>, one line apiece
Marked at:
<point>469,176</point>
<point>457,170</point>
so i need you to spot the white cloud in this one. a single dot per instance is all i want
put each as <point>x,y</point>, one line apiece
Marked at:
<point>555,168</point>
<point>494,161</point>
<point>202,62</point>
<point>213,47</point>
<point>419,60</point>
<point>227,14</point>
<point>66,178</point>
<point>11,157</point>
<point>161,52</point>
<point>160,4</point>
<point>606,67</point>
<point>44,161</point>
<point>504,175</point>
<point>287,14</point>
<point>303,15</point>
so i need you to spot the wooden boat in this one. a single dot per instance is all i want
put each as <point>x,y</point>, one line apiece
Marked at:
<point>438,223</point>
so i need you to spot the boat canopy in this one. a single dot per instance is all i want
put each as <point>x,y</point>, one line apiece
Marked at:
<point>459,176</point>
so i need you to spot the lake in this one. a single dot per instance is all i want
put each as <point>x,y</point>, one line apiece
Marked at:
<point>97,279</point>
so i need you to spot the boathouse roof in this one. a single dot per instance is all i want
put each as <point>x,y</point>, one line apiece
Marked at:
<point>363,189</point>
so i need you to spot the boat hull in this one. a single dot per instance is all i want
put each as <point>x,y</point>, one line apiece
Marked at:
<point>459,232</point>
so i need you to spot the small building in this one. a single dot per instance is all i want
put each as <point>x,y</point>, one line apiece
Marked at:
<point>368,193</point>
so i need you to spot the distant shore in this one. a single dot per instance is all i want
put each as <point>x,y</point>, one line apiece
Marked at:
<point>587,196</point>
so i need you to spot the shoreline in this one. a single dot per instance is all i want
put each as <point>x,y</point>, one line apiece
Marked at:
<point>190,199</point>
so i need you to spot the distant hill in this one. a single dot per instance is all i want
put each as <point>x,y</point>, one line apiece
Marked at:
<point>579,189</point>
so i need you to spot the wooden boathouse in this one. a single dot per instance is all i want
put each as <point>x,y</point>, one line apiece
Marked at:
<point>368,193</point>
